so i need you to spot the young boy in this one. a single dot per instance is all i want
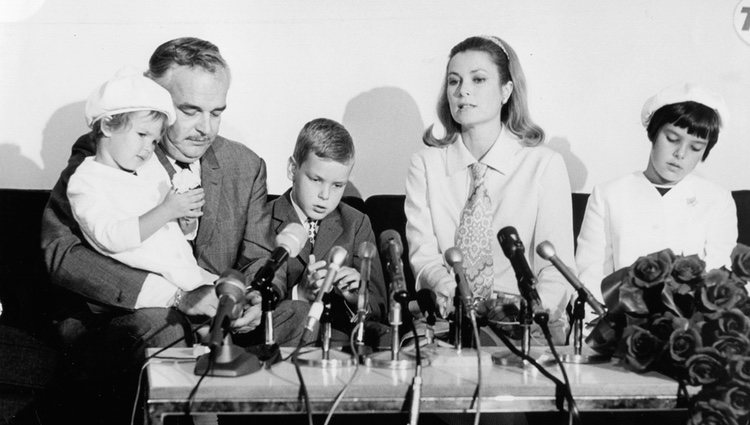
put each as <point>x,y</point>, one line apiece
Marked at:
<point>122,214</point>
<point>319,170</point>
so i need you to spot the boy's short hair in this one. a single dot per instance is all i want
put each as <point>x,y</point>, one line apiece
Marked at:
<point>325,138</point>
<point>698,119</point>
<point>122,121</point>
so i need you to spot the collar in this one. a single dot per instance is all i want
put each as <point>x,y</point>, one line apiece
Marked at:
<point>500,157</point>
<point>300,214</point>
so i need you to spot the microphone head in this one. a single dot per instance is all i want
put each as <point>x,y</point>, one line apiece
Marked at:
<point>292,238</point>
<point>391,236</point>
<point>336,256</point>
<point>545,250</point>
<point>509,240</point>
<point>231,282</point>
<point>453,256</point>
<point>366,250</point>
<point>427,300</point>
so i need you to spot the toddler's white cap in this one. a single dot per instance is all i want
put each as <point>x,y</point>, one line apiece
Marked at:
<point>128,91</point>
<point>685,93</point>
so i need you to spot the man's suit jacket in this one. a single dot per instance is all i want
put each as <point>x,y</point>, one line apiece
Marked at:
<point>345,227</point>
<point>234,181</point>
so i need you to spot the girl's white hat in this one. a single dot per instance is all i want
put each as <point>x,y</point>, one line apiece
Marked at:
<point>128,91</point>
<point>685,93</point>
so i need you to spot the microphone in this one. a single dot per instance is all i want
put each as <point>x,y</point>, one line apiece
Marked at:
<point>391,248</point>
<point>336,257</point>
<point>230,288</point>
<point>513,248</point>
<point>425,306</point>
<point>366,251</point>
<point>289,243</point>
<point>547,251</point>
<point>455,259</point>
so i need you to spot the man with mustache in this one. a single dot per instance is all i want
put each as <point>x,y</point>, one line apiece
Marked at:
<point>124,310</point>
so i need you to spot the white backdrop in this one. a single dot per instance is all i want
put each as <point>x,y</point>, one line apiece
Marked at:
<point>377,67</point>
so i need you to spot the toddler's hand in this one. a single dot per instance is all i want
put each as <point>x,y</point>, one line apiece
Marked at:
<point>187,204</point>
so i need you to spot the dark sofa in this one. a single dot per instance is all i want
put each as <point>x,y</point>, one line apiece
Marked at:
<point>30,354</point>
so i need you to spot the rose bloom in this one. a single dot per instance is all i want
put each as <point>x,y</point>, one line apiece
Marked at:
<point>683,343</point>
<point>737,396</point>
<point>688,270</point>
<point>724,295</point>
<point>643,348</point>
<point>711,412</point>
<point>722,323</point>
<point>733,344</point>
<point>705,367</point>
<point>741,261</point>
<point>739,369</point>
<point>651,270</point>
<point>662,325</point>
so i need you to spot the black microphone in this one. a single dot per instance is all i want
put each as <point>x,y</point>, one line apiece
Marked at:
<point>336,257</point>
<point>547,251</point>
<point>289,243</point>
<point>424,306</point>
<point>230,288</point>
<point>513,248</point>
<point>455,259</point>
<point>391,248</point>
<point>367,252</point>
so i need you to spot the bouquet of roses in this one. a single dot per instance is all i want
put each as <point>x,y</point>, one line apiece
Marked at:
<point>668,314</point>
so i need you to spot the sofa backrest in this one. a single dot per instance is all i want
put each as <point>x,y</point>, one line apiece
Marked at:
<point>25,290</point>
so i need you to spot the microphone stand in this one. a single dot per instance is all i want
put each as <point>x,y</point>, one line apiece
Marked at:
<point>269,352</point>
<point>458,321</point>
<point>526,320</point>
<point>579,314</point>
<point>227,360</point>
<point>326,358</point>
<point>390,359</point>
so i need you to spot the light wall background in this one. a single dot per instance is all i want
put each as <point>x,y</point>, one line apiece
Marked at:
<point>377,67</point>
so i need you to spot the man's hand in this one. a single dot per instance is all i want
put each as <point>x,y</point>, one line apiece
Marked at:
<point>251,313</point>
<point>200,301</point>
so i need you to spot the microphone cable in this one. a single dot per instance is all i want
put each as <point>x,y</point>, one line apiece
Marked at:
<point>343,390</point>
<point>148,359</point>
<point>416,383</point>
<point>560,391</point>
<point>573,413</point>
<point>302,386</point>
<point>477,397</point>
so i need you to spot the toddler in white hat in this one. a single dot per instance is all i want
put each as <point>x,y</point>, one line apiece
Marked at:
<point>121,213</point>
<point>666,205</point>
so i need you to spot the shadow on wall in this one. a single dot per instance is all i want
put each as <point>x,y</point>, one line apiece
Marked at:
<point>16,170</point>
<point>577,171</point>
<point>64,127</point>
<point>387,127</point>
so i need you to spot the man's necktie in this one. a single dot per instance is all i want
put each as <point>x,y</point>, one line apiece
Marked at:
<point>474,235</point>
<point>183,165</point>
<point>312,230</point>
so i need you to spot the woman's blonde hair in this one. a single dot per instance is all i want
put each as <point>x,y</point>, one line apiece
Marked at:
<point>515,113</point>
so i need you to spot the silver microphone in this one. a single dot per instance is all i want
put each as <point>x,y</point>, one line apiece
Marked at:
<point>547,251</point>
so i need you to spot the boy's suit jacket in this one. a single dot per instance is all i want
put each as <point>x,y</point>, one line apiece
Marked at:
<point>345,227</point>
<point>234,181</point>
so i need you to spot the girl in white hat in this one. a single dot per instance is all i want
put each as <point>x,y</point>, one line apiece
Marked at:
<point>665,205</point>
<point>120,212</point>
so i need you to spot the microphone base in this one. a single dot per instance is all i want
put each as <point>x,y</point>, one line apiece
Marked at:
<point>585,358</point>
<point>385,360</point>
<point>231,360</point>
<point>507,358</point>
<point>336,359</point>
<point>268,354</point>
